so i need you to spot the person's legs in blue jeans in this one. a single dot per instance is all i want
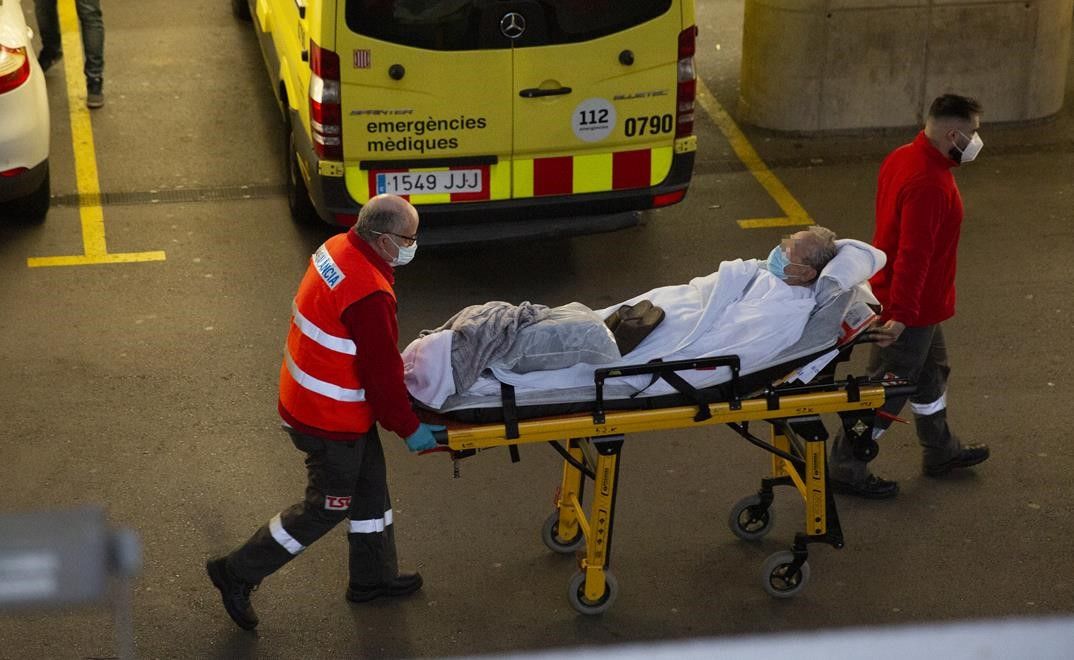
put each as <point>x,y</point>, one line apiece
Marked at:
<point>92,24</point>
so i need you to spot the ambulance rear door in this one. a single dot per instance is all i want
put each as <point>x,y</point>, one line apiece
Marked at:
<point>594,93</point>
<point>426,102</point>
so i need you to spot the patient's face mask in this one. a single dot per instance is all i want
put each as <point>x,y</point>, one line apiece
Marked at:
<point>968,154</point>
<point>777,262</point>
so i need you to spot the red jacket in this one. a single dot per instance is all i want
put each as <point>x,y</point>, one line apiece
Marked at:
<point>362,314</point>
<point>918,223</point>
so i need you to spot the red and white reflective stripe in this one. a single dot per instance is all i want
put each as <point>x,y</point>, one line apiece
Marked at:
<point>314,332</point>
<point>373,526</point>
<point>283,538</point>
<point>930,408</point>
<point>324,388</point>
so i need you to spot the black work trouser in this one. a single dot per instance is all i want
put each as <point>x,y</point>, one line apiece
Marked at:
<point>920,355</point>
<point>345,480</point>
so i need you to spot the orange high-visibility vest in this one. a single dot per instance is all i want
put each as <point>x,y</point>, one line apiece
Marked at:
<point>319,383</point>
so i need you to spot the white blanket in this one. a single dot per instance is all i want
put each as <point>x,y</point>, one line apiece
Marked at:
<point>741,309</point>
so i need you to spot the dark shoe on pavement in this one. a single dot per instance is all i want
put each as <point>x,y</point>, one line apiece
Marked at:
<point>871,488</point>
<point>403,584</point>
<point>94,93</point>
<point>968,456</point>
<point>47,57</point>
<point>235,593</point>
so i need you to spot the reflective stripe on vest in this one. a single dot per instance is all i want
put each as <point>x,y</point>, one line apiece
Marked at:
<point>319,386</point>
<point>310,329</point>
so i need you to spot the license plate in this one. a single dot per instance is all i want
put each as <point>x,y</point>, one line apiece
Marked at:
<point>425,183</point>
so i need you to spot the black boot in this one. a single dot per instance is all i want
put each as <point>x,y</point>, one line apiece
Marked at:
<point>401,585</point>
<point>94,92</point>
<point>47,57</point>
<point>967,456</point>
<point>235,593</point>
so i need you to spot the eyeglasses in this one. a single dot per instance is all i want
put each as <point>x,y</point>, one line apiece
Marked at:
<point>410,240</point>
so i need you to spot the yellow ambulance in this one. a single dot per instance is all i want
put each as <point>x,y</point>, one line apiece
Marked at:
<point>496,118</point>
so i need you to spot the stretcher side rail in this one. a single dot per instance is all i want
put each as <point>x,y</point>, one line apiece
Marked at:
<point>667,371</point>
<point>841,396</point>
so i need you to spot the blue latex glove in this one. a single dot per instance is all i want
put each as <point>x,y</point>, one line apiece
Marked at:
<point>422,439</point>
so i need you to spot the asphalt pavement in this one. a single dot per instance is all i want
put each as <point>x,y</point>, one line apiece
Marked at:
<point>150,388</point>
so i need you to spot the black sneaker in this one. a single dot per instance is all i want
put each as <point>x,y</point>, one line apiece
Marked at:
<point>968,456</point>
<point>94,93</point>
<point>871,488</point>
<point>235,592</point>
<point>403,584</point>
<point>47,57</point>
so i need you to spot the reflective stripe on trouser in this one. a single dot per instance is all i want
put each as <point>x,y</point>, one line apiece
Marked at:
<point>920,355</point>
<point>371,534</point>
<point>344,479</point>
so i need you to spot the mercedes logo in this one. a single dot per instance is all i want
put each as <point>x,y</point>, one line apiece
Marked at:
<point>512,25</point>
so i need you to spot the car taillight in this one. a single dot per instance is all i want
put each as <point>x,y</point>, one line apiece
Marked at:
<point>326,115</point>
<point>667,199</point>
<point>684,114</point>
<point>14,68</point>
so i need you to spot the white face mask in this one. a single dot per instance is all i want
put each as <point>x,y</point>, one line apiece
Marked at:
<point>406,254</point>
<point>972,149</point>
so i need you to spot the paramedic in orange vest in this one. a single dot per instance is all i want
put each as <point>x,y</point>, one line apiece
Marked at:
<point>341,375</point>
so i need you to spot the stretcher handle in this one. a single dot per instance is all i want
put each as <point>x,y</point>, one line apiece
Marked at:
<point>441,437</point>
<point>660,368</point>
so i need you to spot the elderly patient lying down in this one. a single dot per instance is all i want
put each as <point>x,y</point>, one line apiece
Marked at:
<point>753,309</point>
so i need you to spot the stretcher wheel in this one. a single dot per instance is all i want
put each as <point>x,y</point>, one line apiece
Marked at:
<point>550,536</point>
<point>576,594</point>
<point>777,582</point>
<point>749,520</point>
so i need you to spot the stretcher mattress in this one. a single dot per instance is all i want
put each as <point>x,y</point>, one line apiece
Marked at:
<point>841,304</point>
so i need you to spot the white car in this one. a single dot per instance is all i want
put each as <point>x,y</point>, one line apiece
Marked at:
<point>24,120</point>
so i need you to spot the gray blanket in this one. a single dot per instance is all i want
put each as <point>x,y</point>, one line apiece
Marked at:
<point>484,333</point>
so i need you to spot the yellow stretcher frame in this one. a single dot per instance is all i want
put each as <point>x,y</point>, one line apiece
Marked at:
<point>799,459</point>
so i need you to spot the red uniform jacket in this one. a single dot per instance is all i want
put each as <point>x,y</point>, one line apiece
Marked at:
<point>918,224</point>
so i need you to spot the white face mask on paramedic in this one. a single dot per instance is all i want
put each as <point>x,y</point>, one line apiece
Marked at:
<point>406,254</point>
<point>968,154</point>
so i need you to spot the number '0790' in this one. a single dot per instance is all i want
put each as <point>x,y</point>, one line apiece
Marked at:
<point>650,125</point>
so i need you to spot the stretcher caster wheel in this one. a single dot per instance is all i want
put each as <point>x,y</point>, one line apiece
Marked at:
<point>550,536</point>
<point>775,577</point>
<point>576,594</point>
<point>749,521</point>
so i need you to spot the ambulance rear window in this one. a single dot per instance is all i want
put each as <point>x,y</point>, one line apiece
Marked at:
<point>479,24</point>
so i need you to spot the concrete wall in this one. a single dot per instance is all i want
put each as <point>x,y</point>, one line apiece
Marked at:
<point>818,65</point>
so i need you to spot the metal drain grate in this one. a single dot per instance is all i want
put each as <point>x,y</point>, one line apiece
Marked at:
<point>175,196</point>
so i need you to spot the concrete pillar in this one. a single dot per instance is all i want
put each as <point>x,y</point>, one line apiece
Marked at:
<point>821,65</point>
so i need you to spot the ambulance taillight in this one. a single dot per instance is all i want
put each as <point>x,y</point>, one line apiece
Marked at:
<point>687,91</point>
<point>326,115</point>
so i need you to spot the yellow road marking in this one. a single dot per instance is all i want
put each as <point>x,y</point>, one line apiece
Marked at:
<point>795,214</point>
<point>92,216</point>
